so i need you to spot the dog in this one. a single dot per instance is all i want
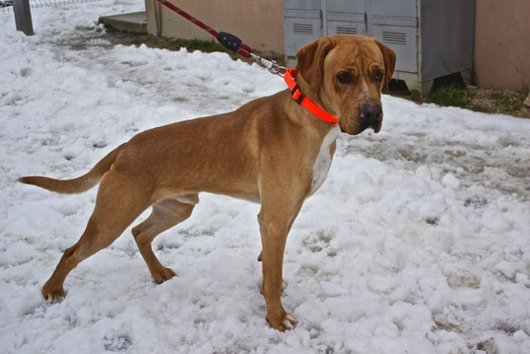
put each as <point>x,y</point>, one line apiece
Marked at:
<point>272,151</point>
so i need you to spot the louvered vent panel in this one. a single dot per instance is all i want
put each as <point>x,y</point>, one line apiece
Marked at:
<point>346,30</point>
<point>303,28</point>
<point>398,38</point>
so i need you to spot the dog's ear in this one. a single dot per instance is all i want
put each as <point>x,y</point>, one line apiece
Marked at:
<point>389,56</point>
<point>311,61</point>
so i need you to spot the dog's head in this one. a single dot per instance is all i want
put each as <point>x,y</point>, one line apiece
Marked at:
<point>346,74</point>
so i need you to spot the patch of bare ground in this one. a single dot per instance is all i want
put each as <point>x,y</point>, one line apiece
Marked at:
<point>499,101</point>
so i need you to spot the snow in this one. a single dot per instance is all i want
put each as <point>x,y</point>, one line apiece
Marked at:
<point>417,242</point>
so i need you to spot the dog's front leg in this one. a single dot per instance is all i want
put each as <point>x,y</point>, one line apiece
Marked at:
<point>275,221</point>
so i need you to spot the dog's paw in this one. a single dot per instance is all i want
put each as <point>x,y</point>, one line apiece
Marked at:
<point>52,295</point>
<point>284,323</point>
<point>163,274</point>
<point>289,322</point>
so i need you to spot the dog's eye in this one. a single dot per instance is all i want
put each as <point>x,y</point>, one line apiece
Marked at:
<point>344,77</point>
<point>378,76</point>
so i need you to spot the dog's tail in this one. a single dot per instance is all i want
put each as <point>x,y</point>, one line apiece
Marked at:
<point>76,185</point>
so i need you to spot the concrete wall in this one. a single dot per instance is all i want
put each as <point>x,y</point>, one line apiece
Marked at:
<point>502,44</point>
<point>258,23</point>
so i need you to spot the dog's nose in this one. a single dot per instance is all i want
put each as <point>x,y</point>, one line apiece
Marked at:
<point>371,116</point>
<point>371,112</point>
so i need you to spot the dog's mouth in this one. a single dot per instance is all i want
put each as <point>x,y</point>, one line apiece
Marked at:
<point>363,123</point>
<point>366,123</point>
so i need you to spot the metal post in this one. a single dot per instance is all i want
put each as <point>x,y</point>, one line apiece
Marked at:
<point>23,17</point>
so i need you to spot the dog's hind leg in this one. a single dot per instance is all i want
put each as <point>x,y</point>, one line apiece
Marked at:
<point>119,202</point>
<point>166,214</point>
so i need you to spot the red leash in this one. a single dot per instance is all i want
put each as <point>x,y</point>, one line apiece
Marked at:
<point>234,44</point>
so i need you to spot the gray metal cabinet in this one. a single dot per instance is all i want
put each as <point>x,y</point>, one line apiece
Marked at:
<point>432,38</point>
<point>344,17</point>
<point>302,23</point>
<point>395,23</point>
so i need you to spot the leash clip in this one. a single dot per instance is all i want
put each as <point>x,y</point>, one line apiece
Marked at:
<point>271,65</point>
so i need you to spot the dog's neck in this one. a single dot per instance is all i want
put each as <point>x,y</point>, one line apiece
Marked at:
<point>305,120</point>
<point>303,89</point>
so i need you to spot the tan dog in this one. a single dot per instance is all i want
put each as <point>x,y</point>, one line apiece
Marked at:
<point>270,151</point>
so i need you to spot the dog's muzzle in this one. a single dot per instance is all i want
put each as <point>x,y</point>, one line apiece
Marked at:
<point>371,116</point>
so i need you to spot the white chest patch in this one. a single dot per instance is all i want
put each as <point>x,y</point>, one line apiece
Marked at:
<point>323,160</point>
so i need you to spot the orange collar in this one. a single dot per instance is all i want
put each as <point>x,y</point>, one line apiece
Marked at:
<point>305,101</point>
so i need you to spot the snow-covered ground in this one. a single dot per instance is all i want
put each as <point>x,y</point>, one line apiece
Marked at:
<point>418,242</point>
